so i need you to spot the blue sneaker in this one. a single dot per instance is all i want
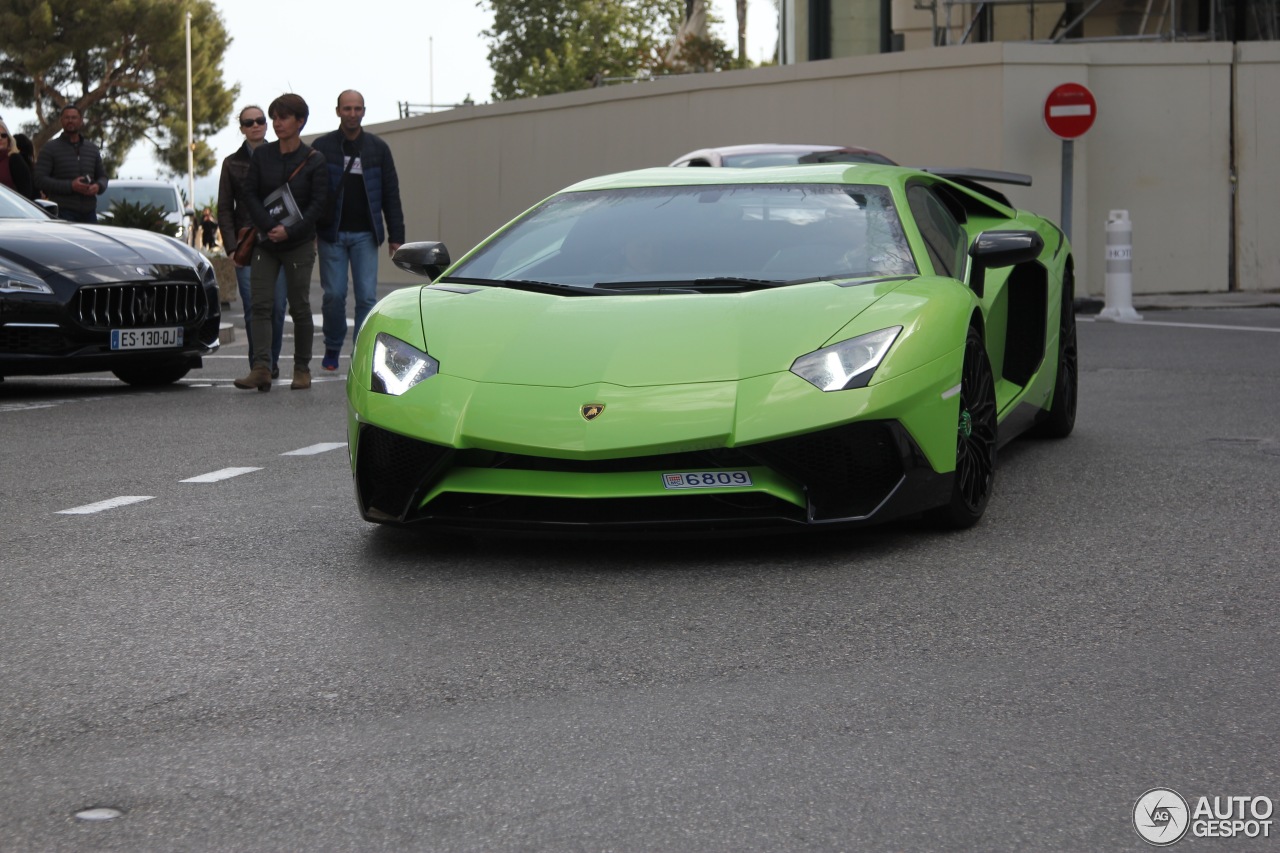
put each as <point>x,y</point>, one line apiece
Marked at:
<point>330,360</point>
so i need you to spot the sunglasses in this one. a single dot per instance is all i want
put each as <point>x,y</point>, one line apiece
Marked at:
<point>4,136</point>
<point>250,122</point>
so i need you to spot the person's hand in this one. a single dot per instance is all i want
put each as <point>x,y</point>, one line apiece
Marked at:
<point>278,234</point>
<point>391,247</point>
<point>83,186</point>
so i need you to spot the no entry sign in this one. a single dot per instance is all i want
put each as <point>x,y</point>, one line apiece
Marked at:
<point>1069,110</point>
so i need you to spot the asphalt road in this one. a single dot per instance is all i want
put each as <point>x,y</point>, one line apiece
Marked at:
<point>244,664</point>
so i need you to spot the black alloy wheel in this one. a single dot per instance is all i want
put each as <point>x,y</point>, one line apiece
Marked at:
<point>976,439</point>
<point>1060,418</point>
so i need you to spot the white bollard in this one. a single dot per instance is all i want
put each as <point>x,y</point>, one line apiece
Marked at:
<point>1119,305</point>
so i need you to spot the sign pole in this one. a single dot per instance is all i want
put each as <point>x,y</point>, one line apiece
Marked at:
<point>1069,112</point>
<point>1068,179</point>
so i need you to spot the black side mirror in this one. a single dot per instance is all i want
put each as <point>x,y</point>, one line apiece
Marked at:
<point>993,249</point>
<point>426,259</point>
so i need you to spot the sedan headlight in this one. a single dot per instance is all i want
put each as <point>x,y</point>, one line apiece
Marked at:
<point>398,366</point>
<point>10,283</point>
<point>848,364</point>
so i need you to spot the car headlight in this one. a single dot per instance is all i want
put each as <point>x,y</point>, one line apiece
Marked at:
<point>848,364</point>
<point>11,283</point>
<point>398,366</point>
<point>205,270</point>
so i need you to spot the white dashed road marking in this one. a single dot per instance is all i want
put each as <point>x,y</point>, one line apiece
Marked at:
<point>49,404</point>
<point>215,476</point>
<point>1172,325</point>
<point>316,448</point>
<point>107,504</point>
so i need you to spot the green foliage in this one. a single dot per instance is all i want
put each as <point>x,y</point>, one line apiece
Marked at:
<point>541,47</point>
<point>148,217</point>
<point>701,53</point>
<point>123,62</point>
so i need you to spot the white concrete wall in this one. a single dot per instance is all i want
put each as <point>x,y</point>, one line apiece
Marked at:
<point>1257,153</point>
<point>1161,147</point>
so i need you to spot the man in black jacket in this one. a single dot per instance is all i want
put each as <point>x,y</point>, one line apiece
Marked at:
<point>363,190</point>
<point>69,170</point>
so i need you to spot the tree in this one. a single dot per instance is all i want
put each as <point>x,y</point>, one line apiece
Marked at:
<point>742,30</point>
<point>123,63</point>
<point>696,49</point>
<point>541,47</point>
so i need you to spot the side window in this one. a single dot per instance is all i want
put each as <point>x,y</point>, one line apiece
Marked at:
<point>943,236</point>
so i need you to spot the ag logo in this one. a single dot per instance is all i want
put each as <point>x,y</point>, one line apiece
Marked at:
<point>1161,816</point>
<point>591,411</point>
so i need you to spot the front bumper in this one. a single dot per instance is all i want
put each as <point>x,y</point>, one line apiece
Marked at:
<point>856,474</point>
<point>42,337</point>
<point>472,456</point>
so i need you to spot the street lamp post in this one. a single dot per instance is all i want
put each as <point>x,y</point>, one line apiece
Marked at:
<point>191,145</point>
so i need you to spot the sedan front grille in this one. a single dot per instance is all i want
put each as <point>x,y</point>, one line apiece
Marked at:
<point>23,340</point>
<point>128,306</point>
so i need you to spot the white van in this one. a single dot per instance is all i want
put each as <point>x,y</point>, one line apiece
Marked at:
<point>157,193</point>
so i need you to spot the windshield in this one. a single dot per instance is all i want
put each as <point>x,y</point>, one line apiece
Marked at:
<point>760,233</point>
<point>165,198</point>
<point>14,206</point>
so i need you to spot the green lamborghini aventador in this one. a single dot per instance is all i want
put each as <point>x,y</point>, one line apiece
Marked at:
<point>718,350</point>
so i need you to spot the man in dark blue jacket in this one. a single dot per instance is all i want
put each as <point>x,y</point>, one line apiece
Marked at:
<point>364,190</point>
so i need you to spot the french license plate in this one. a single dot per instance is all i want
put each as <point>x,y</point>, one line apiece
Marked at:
<point>706,479</point>
<point>146,338</point>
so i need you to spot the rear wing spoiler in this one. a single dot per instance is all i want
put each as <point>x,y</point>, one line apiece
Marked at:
<point>976,180</point>
<point>988,175</point>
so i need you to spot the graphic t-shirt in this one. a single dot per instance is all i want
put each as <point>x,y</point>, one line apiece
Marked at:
<point>355,200</point>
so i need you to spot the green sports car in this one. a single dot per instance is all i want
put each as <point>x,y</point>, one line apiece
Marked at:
<point>718,350</point>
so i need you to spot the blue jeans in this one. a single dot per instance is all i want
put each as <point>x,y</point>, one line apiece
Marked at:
<point>90,218</point>
<point>277,315</point>
<point>360,250</point>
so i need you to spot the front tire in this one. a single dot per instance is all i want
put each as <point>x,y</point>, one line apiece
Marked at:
<point>976,440</point>
<point>153,375</point>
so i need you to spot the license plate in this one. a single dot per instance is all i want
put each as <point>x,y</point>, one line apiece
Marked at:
<point>146,338</point>
<point>706,480</point>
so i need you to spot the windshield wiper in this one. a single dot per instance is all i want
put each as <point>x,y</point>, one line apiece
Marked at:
<point>732,284</point>
<point>526,284</point>
<point>738,283</point>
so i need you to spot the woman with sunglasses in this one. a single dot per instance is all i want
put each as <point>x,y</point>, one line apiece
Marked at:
<point>234,215</point>
<point>14,171</point>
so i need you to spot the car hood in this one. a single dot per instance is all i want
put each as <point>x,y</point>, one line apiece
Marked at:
<point>89,253</point>
<point>522,338</point>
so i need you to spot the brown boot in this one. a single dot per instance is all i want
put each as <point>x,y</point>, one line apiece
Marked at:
<point>301,378</point>
<point>259,377</point>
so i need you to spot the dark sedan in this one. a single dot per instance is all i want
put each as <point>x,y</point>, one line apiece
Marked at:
<point>77,298</point>
<point>762,155</point>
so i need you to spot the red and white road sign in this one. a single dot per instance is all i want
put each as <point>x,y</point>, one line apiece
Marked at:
<point>1069,110</point>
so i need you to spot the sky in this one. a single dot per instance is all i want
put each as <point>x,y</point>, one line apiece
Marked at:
<point>392,51</point>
